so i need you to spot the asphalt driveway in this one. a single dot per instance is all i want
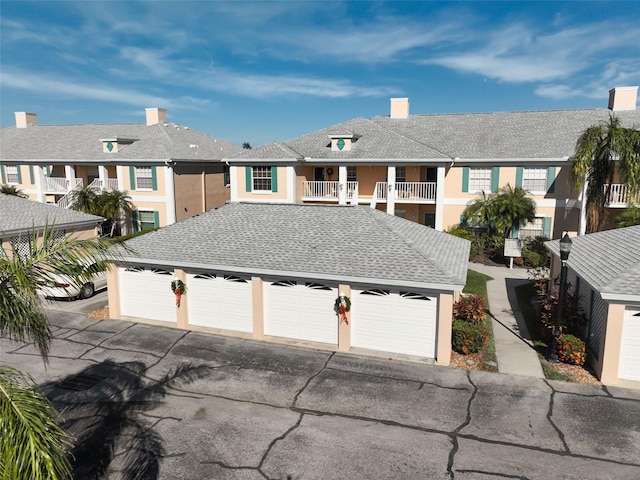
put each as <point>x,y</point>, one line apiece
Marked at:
<point>172,404</point>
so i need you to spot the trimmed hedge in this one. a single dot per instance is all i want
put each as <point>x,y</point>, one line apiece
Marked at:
<point>469,337</point>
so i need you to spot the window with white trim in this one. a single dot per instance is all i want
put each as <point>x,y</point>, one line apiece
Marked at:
<point>532,229</point>
<point>534,179</point>
<point>147,220</point>
<point>479,180</point>
<point>13,176</point>
<point>144,178</point>
<point>351,174</point>
<point>401,174</point>
<point>261,178</point>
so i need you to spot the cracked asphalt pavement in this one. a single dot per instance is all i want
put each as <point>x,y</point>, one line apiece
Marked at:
<point>155,402</point>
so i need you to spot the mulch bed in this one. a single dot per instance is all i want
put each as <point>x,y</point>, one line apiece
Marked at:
<point>100,314</point>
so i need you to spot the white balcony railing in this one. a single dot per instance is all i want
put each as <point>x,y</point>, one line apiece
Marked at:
<point>320,190</point>
<point>415,191</point>
<point>618,195</point>
<point>60,184</point>
<point>110,185</point>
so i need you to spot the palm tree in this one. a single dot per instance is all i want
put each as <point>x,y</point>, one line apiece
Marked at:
<point>480,212</point>
<point>598,150</point>
<point>117,207</point>
<point>38,448</point>
<point>85,200</point>
<point>12,190</point>
<point>629,217</point>
<point>512,206</point>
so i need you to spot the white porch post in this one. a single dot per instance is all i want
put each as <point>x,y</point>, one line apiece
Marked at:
<point>440,198</point>
<point>342,184</point>
<point>582,225</point>
<point>39,178</point>
<point>103,175</point>
<point>70,175</point>
<point>391,192</point>
<point>119,176</point>
<point>170,195</point>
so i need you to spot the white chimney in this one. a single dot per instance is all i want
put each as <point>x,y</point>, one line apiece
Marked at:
<point>24,119</point>
<point>623,98</point>
<point>399,108</point>
<point>156,115</point>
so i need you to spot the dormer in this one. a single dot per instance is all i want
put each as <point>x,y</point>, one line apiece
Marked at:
<point>341,142</point>
<point>115,144</point>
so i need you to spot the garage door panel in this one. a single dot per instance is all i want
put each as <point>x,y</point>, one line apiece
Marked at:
<point>629,366</point>
<point>301,311</point>
<point>394,321</point>
<point>147,294</point>
<point>218,301</point>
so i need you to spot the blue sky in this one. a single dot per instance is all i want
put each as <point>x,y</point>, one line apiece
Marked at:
<point>265,71</point>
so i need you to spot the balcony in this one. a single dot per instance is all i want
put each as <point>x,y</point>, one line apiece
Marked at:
<point>407,192</point>
<point>618,196</point>
<point>59,185</point>
<point>326,191</point>
<point>110,185</point>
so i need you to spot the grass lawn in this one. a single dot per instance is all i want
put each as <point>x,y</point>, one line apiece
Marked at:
<point>477,284</point>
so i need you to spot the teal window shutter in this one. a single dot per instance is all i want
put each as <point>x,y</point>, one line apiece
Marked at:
<point>519,172</point>
<point>465,179</point>
<point>247,178</point>
<point>134,219</point>
<point>546,229</point>
<point>19,173</point>
<point>156,219</point>
<point>31,177</point>
<point>4,180</point>
<point>515,229</point>
<point>274,179</point>
<point>463,221</point>
<point>495,179</point>
<point>132,177</point>
<point>551,179</point>
<point>154,178</point>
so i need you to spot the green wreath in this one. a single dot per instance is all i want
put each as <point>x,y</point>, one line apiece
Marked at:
<point>340,300</point>
<point>178,286</point>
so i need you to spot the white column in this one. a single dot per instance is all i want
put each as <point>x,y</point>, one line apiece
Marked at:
<point>582,225</point>
<point>233,181</point>
<point>119,176</point>
<point>103,175</point>
<point>440,198</point>
<point>291,184</point>
<point>391,189</point>
<point>342,184</point>
<point>39,178</point>
<point>170,195</point>
<point>70,175</point>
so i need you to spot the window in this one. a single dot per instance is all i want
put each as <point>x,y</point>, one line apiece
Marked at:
<point>147,220</point>
<point>351,174</point>
<point>261,178</point>
<point>13,174</point>
<point>144,178</point>
<point>401,174</point>
<point>534,179</point>
<point>479,180</point>
<point>532,229</point>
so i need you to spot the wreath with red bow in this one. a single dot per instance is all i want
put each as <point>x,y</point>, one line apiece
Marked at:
<point>178,288</point>
<point>341,307</point>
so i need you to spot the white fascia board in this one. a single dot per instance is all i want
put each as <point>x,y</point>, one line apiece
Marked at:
<point>464,161</point>
<point>384,161</point>
<point>252,161</point>
<point>620,297</point>
<point>134,261</point>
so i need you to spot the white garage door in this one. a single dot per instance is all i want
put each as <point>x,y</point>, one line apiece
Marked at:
<point>303,311</point>
<point>398,322</point>
<point>220,301</point>
<point>629,368</point>
<point>147,294</point>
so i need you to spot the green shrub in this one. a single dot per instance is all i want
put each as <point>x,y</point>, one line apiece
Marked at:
<point>573,319</point>
<point>470,308</point>
<point>534,255</point>
<point>571,350</point>
<point>468,337</point>
<point>534,259</point>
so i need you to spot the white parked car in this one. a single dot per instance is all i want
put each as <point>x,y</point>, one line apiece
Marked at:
<point>61,285</point>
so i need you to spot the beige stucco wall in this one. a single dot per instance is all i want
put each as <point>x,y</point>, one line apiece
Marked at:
<point>262,196</point>
<point>198,189</point>
<point>612,338</point>
<point>444,326</point>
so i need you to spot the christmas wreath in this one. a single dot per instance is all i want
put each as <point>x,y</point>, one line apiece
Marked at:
<point>178,288</point>
<point>341,307</point>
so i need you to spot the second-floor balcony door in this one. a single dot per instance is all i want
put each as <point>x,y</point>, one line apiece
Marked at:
<point>318,174</point>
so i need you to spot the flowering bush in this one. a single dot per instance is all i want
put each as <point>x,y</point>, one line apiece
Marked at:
<point>470,308</point>
<point>571,350</point>
<point>469,337</point>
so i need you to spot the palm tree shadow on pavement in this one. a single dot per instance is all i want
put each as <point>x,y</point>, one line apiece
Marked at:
<point>104,408</point>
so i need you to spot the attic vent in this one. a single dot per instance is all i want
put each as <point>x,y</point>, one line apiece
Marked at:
<point>341,143</point>
<point>193,145</point>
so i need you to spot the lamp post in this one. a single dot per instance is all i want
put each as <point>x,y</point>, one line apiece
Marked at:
<point>565,249</point>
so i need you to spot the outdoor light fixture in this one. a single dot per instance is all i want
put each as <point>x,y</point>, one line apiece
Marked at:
<point>565,249</point>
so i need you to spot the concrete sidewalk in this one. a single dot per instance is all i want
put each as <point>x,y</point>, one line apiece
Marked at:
<point>514,349</point>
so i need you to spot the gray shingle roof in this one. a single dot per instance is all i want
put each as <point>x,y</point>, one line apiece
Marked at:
<point>19,215</point>
<point>167,141</point>
<point>548,134</point>
<point>609,261</point>
<point>350,243</point>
